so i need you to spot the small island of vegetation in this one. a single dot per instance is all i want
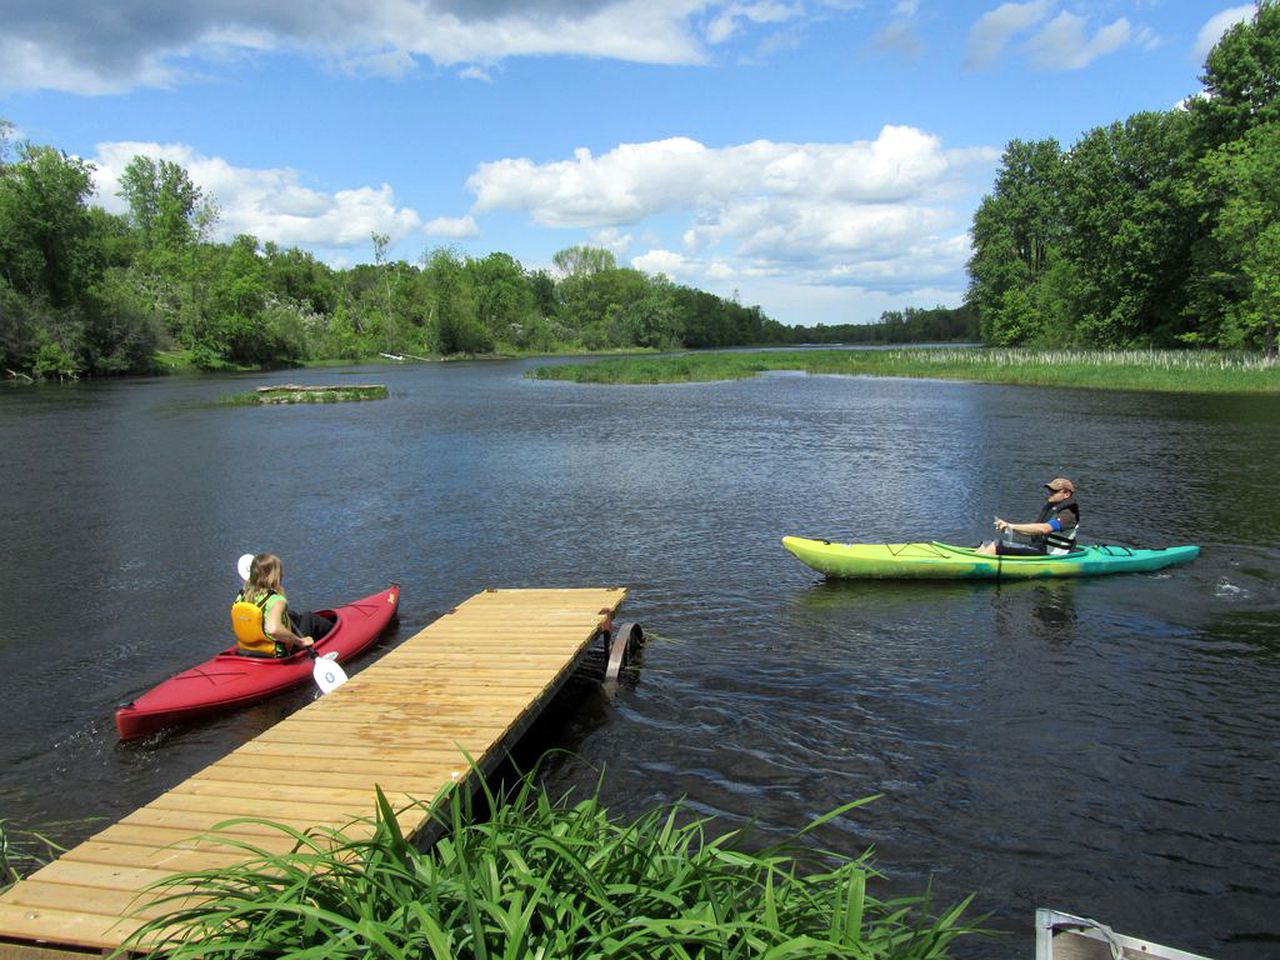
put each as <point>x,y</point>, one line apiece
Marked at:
<point>1187,371</point>
<point>299,393</point>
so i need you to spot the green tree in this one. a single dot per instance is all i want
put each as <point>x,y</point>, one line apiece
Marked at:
<point>1244,177</point>
<point>163,203</point>
<point>583,260</point>
<point>1241,80</point>
<point>504,300</point>
<point>45,226</point>
<point>454,326</point>
<point>1017,231</point>
<point>1129,232</point>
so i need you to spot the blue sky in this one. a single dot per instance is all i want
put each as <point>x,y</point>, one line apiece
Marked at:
<point>822,158</point>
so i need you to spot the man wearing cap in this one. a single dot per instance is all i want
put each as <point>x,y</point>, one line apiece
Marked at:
<point>1053,532</point>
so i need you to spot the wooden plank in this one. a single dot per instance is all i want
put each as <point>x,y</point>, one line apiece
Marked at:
<point>72,927</point>
<point>168,859</point>
<point>163,838</point>
<point>463,686</point>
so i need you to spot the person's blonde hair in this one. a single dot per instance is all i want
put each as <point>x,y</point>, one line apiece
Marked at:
<point>264,575</point>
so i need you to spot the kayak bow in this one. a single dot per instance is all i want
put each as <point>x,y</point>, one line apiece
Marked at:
<point>936,560</point>
<point>227,680</point>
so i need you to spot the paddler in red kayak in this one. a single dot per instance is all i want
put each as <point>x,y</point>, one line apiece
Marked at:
<point>260,616</point>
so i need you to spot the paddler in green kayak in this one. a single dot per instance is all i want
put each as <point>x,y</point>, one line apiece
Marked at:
<point>1053,532</point>
<point>260,616</point>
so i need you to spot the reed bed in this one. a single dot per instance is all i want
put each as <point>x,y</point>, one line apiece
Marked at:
<point>529,876</point>
<point>1184,371</point>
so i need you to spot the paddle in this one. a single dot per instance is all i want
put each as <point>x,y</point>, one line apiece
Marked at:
<point>328,675</point>
<point>324,670</point>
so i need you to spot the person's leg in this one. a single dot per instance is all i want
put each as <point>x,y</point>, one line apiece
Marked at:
<point>310,624</point>
<point>1016,550</point>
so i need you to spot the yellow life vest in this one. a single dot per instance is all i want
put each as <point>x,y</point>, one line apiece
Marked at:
<point>248,624</point>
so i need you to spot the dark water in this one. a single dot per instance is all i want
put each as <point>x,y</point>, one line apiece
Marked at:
<point>1106,747</point>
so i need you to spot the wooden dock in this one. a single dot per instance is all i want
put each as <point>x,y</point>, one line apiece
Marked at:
<point>470,683</point>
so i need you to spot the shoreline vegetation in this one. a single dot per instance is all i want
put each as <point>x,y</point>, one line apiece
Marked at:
<point>1173,371</point>
<point>520,873</point>
<point>517,872</point>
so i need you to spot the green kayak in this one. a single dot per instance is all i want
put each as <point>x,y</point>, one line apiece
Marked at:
<point>944,561</point>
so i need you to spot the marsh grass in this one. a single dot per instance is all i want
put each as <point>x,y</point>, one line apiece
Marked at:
<point>22,852</point>
<point>1155,370</point>
<point>529,876</point>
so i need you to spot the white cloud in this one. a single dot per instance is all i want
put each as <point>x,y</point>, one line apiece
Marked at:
<point>726,23</point>
<point>1217,25</point>
<point>675,265</point>
<point>886,213</point>
<point>1064,44</point>
<point>114,47</point>
<point>639,180</point>
<point>271,204</point>
<point>899,37</point>
<point>1148,39</point>
<point>455,228</point>
<point>612,239</point>
<point>993,30</point>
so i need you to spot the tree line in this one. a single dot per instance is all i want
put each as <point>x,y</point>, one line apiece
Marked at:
<point>86,292</point>
<point>1159,231</point>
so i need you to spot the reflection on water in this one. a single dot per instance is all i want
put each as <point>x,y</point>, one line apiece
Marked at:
<point>1104,746</point>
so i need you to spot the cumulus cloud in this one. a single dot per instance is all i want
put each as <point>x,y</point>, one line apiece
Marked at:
<point>113,47</point>
<point>270,204</point>
<point>455,228</point>
<point>613,240</point>
<point>1217,25</point>
<point>994,29</point>
<point>638,180</point>
<point>1064,43</point>
<point>843,212</point>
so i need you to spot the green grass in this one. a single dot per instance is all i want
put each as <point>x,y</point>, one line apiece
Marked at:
<point>22,852</point>
<point>526,875</point>
<point>1155,370</point>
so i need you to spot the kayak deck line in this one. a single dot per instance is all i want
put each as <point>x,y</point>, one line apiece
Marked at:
<point>406,722</point>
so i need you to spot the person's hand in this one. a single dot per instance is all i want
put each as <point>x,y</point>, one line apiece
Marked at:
<point>1002,525</point>
<point>308,642</point>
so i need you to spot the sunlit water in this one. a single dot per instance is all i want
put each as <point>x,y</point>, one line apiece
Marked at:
<point>1107,747</point>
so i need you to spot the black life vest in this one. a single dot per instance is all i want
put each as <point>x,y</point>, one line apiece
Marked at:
<point>1057,541</point>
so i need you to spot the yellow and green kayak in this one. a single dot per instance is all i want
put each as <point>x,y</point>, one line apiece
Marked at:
<point>947,562</point>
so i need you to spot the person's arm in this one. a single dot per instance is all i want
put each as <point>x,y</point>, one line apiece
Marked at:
<point>1026,529</point>
<point>277,629</point>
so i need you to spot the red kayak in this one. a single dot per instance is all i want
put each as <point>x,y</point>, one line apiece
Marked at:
<point>228,680</point>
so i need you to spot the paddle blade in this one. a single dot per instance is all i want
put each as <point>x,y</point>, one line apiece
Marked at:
<point>329,676</point>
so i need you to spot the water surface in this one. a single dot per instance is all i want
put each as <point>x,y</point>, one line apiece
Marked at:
<point>1106,747</point>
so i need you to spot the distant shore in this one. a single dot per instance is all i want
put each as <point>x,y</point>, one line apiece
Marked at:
<point>1153,370</point>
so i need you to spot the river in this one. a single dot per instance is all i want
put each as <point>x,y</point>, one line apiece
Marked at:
<point>1106,747</point>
